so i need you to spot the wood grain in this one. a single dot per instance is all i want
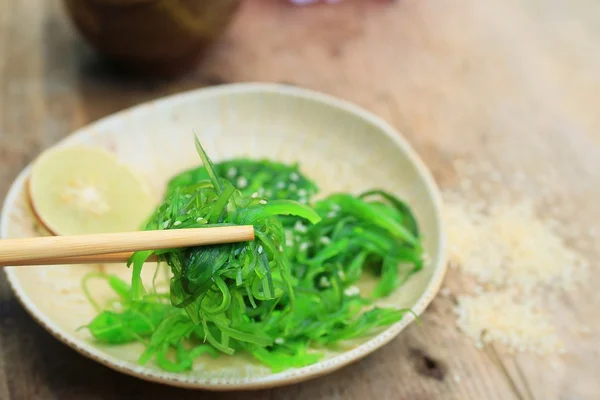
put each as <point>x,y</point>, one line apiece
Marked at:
<point>511,83</point>
<point>17,251</point>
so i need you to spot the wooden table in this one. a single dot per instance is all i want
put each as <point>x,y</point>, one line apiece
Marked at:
<point>508,82</point>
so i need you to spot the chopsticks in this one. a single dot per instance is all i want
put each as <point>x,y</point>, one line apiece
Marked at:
<point>112,247</point>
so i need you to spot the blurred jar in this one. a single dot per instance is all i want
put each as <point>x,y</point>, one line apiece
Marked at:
<point>157,37</point>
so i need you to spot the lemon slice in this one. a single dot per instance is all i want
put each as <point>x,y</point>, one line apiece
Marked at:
<point>84,190</point>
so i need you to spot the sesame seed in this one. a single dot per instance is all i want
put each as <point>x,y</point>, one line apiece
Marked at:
<point>302,192</point>
<point>118,306</point>
<point>242,182</point>
<point>304,246</point>
<point>263,202</point>
<point>294,176</point>
<point>324,282</point>
<point>299,227</point>
<point>352,291</point>
<point>199,219</point>
<point>324,240</point>
<point>331,214</point>
<point>177,223</point>
<point>231,172</point>
<point>280,185</point>
<point>279,340</point>
<point>166,223</point>
<point>254,195</point>
<point>289,236</point>
<point>260,249</point>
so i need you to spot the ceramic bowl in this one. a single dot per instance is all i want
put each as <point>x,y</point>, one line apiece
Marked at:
<point>339,144</point>
<point>152,37</point>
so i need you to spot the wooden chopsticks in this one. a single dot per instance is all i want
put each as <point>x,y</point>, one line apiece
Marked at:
<point>112,247</point>
<point>113,258</point>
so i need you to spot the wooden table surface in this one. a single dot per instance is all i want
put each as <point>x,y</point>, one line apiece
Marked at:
<point>510,82</point>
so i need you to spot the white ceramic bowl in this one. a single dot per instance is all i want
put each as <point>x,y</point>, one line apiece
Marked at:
<point>340,145</point>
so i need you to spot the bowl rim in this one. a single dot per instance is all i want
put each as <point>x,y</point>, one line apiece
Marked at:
<point>286,377</point>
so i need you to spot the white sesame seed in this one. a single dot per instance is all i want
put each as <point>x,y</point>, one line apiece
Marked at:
<point>294,176</point>
<point>289,236</point>
<point>199,219</point>
<point>457,378</point>
<point>260,249</point>
<point>118,306</point>
<point>166,223</point>
<point>279,340</point>
<point>352,291</point>
<point>300,227</point>
<point>336,207</point>
<point>303,246</point>
<point>280,248</point>
<point>445,292</point>
<point>341,274</point>
<point>324,282</point>
<point>177,223</point>
<point>254,195</point>
<point>302,192</point>
<point>242,182</point>
<point>324,240</point>
<point>263,202</point>
<point>231,172</point>
<point>280,185</point>
<point>331,214</point>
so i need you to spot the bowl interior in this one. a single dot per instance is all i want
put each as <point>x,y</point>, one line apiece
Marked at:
<point>340,146</point>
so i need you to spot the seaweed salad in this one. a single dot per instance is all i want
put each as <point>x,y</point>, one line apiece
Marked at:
<point>279,298</point>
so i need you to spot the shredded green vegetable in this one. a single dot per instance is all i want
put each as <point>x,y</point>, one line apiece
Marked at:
<point>276,298</point>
